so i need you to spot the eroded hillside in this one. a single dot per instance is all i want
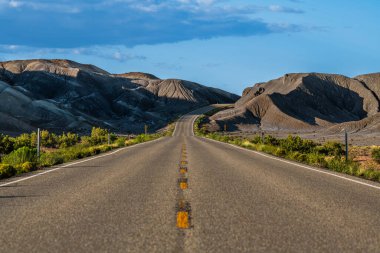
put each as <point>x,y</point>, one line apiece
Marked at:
<point>307,102</point>
<point>62,95</point>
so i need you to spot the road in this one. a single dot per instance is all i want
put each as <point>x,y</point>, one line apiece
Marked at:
<point>236,201</point>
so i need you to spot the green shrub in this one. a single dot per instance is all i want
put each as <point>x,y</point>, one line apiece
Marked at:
<point>130,142</point>
<point>6,171</point>
<point>68,140</point>
<point>99,135</point>
<point>21,155</point>
<point>120,142</point>
<point>76,152</point>
<point>331,148</point>
<point>372,174</point>
<point>145,137</point>
<point>237,141</point>
<point>141,138</point>
<point>25,167</point>
<point>198,128</point>
<point>270,140</point>
<point>33,139</point>
<point>6,144</point>
<point>105,148</point>
<point>94,150</point>
<point>225,138</point>
<point>51,159</point>
<point>295,143</point>
<point>316,159</point>
<point>72,153</point>
<point>339,165</point>
<point>376,154</point>
<point>297,156</point>
<point>23,140</point>
<point>353,169</point>
<point>113,137</point>
<point>48,140</point>
<point>247,144</point>
<point>280,152</point>
<point>335,165</point>
<point>85,141</point>
<point>257,139</point>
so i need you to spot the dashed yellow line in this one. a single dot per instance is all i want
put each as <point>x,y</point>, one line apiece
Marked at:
<point>183,170</point>
<point>184,209</point>
<point>183,185</point>
<point>183,220</point>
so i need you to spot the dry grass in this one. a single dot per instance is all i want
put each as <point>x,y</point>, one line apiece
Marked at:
<point>363,156</point>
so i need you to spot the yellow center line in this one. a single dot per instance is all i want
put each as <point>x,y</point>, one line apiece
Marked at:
<point>183,212</point>
<point>183,185</point>
<point>183,219</point>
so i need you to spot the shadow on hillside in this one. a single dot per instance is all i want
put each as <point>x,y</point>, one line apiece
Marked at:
<point>96,100</point>
<point>323,100</point>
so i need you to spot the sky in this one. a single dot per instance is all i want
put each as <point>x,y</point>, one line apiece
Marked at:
<point>228,44</point>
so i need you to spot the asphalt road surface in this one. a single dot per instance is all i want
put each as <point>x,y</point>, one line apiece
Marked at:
<point>233,201</point>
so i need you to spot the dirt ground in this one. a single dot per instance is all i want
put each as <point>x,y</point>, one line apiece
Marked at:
<point>362,155</point>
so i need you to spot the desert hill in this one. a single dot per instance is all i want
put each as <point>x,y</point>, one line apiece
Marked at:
<point>307,102</point>
<point>138,75</point>
<point>62,95</point>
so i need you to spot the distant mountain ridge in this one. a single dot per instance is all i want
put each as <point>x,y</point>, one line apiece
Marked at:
<point>63,95</point>
<point>307,101</point>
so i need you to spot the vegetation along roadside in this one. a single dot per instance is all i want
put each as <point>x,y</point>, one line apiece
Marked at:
<point>19,154</point>
<point>330,155</point>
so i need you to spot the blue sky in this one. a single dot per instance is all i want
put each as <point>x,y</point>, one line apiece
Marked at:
<point>226,44</point>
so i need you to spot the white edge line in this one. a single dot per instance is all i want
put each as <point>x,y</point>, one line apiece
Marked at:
<point>298,165</point>
<point>75,163</point>
<point>192,125</point>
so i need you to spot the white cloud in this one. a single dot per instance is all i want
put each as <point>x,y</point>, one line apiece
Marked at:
<point>149,6</point>
<point>279,8</point>
<point>42,6</point>
<point>205,2</point>
<point>12,47</point>
<point>133,22</point>
<point>15,4</point>
<point>118,53</point>
<point>275,8</point>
